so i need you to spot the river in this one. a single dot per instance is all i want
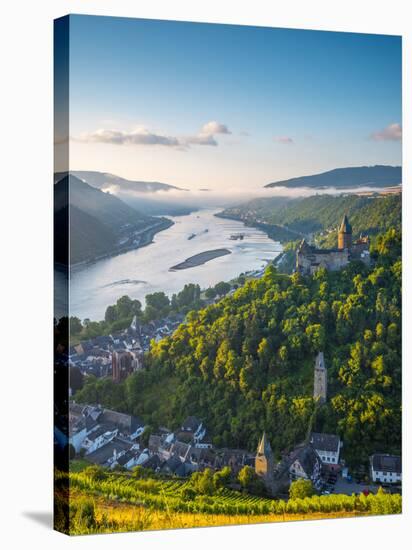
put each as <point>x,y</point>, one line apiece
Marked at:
<point>95,286</point>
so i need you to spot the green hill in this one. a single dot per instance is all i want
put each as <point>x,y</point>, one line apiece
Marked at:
<point>245,364</point>
<point>321,213</point>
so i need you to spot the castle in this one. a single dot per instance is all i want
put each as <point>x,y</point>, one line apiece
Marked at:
<point>309,258</point>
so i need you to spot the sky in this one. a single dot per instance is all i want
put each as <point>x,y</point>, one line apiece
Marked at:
<point>229,107</point>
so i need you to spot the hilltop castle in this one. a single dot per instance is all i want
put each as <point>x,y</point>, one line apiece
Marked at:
<point>309,258</point>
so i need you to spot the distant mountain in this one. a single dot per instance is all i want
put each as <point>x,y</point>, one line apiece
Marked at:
<point>105,207</point>
<point>103,181</point>
<point>346,178</point>
<point>89,238</point>
<point>100,223</point>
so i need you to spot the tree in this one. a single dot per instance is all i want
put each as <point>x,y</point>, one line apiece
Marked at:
<point>301,488</point>
<point>75,325</point>
<point>203,482</point>
<point>111,314</point>
<point>247,477</point>
<point>210,293</point>
<point>158,302</point>
<point>221,478</point>
<point>222,288</point>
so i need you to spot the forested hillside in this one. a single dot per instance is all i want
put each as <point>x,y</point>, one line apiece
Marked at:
<point>322,212</point>
<point>98,223</point>
<point>245,364</point>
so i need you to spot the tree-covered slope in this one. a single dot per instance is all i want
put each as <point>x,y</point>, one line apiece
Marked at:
<point>245,364</point>
<point>322,212</point>
<point>99,222</point>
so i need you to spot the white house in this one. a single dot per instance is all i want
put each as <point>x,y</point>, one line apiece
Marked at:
<point>328,447</point>
<point>305,464</point>
<point>98,438</point>
<point>77,437</point>
<point>194,426</point>
<point>386,468</point>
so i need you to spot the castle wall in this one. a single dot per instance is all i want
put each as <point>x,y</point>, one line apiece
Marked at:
<point>333,260</point>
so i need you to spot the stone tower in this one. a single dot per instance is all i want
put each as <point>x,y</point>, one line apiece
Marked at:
<point>320,386</point>
<point>345,234</point>
<point>264,463</point>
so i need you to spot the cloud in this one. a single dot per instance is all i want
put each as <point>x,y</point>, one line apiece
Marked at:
<point>202,139</point>
<point>140,136</point>
<point>393,132</point>
<point>206,136</point>
<point>285,140</point>
<point>214,127</point>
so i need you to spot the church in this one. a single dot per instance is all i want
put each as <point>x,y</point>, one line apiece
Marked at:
<point>309,258</point>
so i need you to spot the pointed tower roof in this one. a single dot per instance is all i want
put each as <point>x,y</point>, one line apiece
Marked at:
<point>264,446</point>
<point>345,226</point>
<point>320,361</point>
<point>304,246</point>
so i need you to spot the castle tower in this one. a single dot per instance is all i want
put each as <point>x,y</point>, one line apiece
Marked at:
<point>320,386</point>
<point>345,234</point>
<point>264,463</point>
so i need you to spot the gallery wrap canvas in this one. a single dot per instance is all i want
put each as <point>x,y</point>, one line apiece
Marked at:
<point>227,266</point>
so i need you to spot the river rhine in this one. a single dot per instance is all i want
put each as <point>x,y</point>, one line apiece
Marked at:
<point>95,286</point>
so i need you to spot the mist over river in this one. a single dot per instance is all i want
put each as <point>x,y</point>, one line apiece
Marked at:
<point>95,286</point>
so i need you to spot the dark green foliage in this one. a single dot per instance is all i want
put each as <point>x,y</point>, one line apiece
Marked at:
<point>250,481</point>
<point>320,213</point>
<point>301,488</point>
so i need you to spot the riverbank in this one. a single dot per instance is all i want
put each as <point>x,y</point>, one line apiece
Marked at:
<point>277,233</point>
<point>200,259</point>
<point>145,238</point>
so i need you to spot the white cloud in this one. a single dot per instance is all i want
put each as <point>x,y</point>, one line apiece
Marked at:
<point>393,132</point>
<point>285,140</point>
<point>202,139</point>
<point>140,136</point>
<point>206,136</point>
<point>214,127</point>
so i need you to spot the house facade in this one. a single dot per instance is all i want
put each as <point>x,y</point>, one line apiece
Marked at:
<point>327,447</point>
<point>386,468</point>
<point>306,464</point>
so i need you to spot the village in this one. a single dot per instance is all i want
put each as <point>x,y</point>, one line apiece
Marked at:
<point>119,354</point>
<point>116,440</point>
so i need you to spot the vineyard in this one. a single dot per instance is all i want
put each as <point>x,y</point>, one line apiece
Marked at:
<point>102,500</point>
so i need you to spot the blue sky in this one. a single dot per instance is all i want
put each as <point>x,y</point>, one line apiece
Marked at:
<point>204,105</point>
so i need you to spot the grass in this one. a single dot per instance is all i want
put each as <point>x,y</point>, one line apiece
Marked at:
<point>113,516</point>
<point>78,465</point>
<point>100,501</point>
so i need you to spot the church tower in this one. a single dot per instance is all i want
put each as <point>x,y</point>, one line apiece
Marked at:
<point>320,386</point>
<point>345,234</point>
<point>264,463</point>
